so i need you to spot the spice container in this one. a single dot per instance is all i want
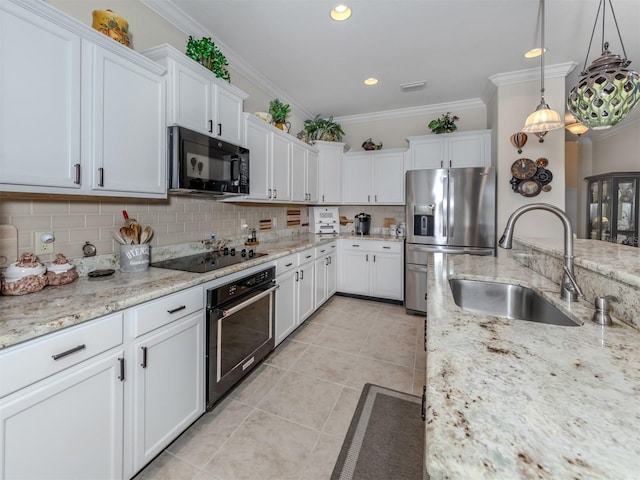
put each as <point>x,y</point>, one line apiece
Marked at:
<point>27,275</point>
<point>61,272</point>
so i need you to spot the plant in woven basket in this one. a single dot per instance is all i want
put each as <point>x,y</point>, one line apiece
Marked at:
<point>445,124</point>
<point>323,129</point>
<point>206,53</point>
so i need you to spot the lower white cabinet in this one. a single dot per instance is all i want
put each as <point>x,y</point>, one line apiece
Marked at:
<point>326,273</point>
<point>371,268</point>
<point>295,300</point>
<point>168,385</point>
<point>68,422</point>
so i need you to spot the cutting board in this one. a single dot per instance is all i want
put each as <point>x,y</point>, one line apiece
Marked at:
<point>8,245</point>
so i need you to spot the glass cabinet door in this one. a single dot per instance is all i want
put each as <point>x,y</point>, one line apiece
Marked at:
<point>626,211</point>
<point>605,216</point>
<point>594,210</point>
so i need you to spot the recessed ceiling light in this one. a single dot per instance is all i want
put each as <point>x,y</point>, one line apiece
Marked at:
<point>340,13</point>
<point>534,52</point>
<point>371,81</point>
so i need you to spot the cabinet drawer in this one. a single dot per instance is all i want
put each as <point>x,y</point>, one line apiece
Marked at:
<point>285,264</point>
<point>324,250</point>
<point>157,313</point>
<point>385,247</point>
<point>306,256</point>
<point>32,361</point>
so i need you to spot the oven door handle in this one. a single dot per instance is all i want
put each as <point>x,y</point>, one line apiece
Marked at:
<point>246,303</point>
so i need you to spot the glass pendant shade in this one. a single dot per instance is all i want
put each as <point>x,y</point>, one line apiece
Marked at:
<point>577,128</point>
<point>543,120</point>
<point>605,93</point>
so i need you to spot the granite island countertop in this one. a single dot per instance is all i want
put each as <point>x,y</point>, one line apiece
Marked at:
<point>510,399</point>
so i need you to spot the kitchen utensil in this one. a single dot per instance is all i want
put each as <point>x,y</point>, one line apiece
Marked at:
<point>118,237</point>
<point>128,235</point>
<point>136,230</point>
<point>146,235</point>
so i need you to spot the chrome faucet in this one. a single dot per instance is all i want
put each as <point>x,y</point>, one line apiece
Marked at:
<point>569,288</point>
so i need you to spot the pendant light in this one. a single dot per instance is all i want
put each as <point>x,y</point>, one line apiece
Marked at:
<point>543,119</point>
<point>607,90</point>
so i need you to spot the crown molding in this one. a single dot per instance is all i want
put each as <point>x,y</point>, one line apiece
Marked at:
<point>411,111</point>
<point>187,25</point>
<point>521,76</point>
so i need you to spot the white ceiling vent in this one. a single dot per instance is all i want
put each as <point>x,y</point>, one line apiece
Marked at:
<point>413,86</point>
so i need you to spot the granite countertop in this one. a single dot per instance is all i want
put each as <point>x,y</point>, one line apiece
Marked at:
<point>516,399</point>
<point>28,316</point>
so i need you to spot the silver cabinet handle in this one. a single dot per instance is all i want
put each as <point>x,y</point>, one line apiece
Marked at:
<point>144,357</point>
<point>121,377</point>
<point>77,180</point>
<point>58,356</point>
<point>177,309</point>
<point>237,308</point>
<point>101,177</point>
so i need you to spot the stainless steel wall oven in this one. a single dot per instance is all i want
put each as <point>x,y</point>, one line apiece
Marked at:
<point>240,330</point>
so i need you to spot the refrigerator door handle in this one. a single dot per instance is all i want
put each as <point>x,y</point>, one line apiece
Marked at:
<point>451,195</point>
<point>445,198</point>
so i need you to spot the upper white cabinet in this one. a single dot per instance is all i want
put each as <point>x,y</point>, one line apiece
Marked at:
<point>330,158</point>
<point>459,149</point>
<point>197,99</point>
<point>304,173</point>
<point>373,177</point>
<point>117,149</point>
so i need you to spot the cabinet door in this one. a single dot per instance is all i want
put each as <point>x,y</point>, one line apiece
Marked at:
<point>286,313</point>
<point>127,138</point>
<point>469,151</point>
<point>306,304</point>
<point>332,275</point>
<point>168,383</point>
<point>320,281</point>
<point>258,141</point>
<point>356,179</point>
<point>298,173</point>
<point>330,172</point>
<point>354,272</point>
<point>192,100</point>
<point>67,426</point>
<point>427,153</point>
<point>39,101</point>
<point>281,169</point>
<point>388,174</point>
<point>312,175</point>
<point>228,119</point>
<point>386,276</point>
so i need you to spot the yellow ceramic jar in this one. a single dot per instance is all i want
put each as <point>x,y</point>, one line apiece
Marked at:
<point>112,25</point>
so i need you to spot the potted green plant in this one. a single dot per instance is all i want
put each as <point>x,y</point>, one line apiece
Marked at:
<point>323,129</point>
<point>206,53</point>
<point>279,112</point>
<point>445,124</point>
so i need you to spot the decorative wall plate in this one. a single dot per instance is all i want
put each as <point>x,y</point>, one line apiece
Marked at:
<point>523,168</point>
<point>543,175</point>
<point>530,188</point>
<point>542,162</point>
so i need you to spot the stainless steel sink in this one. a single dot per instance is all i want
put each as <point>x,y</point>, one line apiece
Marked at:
<point>506,300</point>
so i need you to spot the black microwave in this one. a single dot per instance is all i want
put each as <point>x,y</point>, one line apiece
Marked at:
<point>199,164</point>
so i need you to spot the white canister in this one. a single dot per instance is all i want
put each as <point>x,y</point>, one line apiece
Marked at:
<point>400,232</point>
<point>393,230</point>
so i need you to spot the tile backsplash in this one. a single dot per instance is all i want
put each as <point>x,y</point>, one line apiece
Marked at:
<point>178,219</point>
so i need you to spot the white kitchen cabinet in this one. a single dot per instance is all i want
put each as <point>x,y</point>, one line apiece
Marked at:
<point>371,268</point>
<point>197,100</point>
<point>117,149</point>
<point>295,295</point>
<point>304,173</point>
<point>325,273</point>
<point>167,371</point>
<point>270,170</point>
<point>373,177</point>
<point>64,417</point>
<point>458,150</point>
<point>330,158</point>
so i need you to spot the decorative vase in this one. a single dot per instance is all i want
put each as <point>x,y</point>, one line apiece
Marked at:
<point>112,25</point>
<point>284,126</point>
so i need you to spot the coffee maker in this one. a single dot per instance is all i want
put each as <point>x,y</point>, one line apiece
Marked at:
<point>362,223</point>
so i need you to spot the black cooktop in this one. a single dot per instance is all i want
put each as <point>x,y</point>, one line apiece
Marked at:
<point>206,262</point>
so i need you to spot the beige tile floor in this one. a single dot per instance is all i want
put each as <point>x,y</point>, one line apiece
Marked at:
<point>288,418</point>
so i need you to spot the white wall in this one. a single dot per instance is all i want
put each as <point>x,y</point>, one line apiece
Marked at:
<point>619,151</point>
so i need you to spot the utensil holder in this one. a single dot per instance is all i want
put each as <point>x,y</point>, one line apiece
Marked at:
<point>134,258</point>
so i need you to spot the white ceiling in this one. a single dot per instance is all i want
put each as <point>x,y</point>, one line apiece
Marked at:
<point>318,65</point>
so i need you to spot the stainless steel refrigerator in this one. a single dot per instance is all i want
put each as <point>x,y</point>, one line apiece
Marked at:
<point>448,210</point>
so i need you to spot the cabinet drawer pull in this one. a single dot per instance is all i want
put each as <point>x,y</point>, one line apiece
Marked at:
<point>301,274</point>
<point>58,356</point>
<point>177,309</point>
<point>121,377</point>
<point>210,129</point>
<point>424,403</point>
<point>387,248</point>
<point>355,245</point>
<point>77,180</point>
<point>144,357</point>
<point>101,177</point>
<point>307,256</point>
<point>322,251</point>
<point>219,129</point>
<point>289,264</point>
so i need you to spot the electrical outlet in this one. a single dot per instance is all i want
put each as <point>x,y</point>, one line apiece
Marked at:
<point>43,247</point>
